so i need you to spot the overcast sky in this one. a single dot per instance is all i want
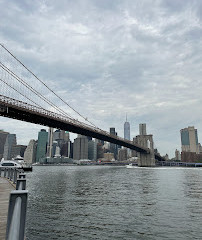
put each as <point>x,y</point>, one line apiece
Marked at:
<point>107,58</point>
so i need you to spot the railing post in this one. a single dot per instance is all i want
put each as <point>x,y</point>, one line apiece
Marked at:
<point>16,215</point>
<point>8,173</point>
<point>22,175</point>
<point>11,174</point>
<point>21,184</point>
<point>4,172</point>
<point>15,176</point>
<point>0,171</point>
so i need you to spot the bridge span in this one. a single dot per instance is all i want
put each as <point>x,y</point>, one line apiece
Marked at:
<point>25,97</point>
<point>23,111</point>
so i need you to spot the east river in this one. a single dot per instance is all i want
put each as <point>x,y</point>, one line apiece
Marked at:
<point>106,202</point>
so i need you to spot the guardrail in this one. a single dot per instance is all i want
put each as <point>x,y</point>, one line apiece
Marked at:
<point>17,204</point>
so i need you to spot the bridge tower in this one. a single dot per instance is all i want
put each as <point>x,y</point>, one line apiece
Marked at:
<point>146,159</point>
<point>145,140</point>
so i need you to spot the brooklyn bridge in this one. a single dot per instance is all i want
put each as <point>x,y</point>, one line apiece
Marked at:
<point>25,97</point>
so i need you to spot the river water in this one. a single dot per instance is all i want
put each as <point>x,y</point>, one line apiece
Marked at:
<point>106,202</point>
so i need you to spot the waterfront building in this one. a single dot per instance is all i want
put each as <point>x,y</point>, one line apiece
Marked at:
<point>80,148</point>
<point>100,150</point>
<point>3,136</point>
<point>55,144</point>
<point>18,150</point>
<point>57,151</point>
<point>92,150</point>
<point>142,129</point>
<point>30,152</point>
<point>109,156</point>
<point>127,129</point>
<point>41,144</point>
<point>113,147</point>
<point>122,154</point>
<point>65,149</point>
<point>189,140</point>
<point>61,137</point>
<point>8,147</point>
<point>177,155</point>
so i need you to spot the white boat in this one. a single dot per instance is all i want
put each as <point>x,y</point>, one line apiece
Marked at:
<point>131,165</point>
<point>10,164</point>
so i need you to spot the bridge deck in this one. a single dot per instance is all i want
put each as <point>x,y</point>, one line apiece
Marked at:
<point>5,189</point>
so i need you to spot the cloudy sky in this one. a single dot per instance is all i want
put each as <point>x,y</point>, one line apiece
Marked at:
<point>107,58</point>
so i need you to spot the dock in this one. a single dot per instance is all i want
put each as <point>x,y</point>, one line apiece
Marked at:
<point>5,188</point>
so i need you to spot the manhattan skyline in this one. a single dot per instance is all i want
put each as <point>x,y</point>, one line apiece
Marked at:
<point>107,58</point>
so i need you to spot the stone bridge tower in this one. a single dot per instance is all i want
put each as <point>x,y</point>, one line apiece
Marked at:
<point>145,140</point>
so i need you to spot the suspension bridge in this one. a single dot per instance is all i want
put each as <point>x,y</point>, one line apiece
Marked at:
<point>24,96</point>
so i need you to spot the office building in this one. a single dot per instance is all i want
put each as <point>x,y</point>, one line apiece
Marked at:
<point>18,150</point>
<point>3,136</point>
<point>80,148</point>
<point>177,155</point>
<point>108,156</point>
<point>41,145</point>
<point>8,147</point>
<point>30,152</point>
<point>189,140</point>
<point>100,150</point>
<point>127,129</point>
<point>92,150</point>
<point>142,129</point>
<point>113,147</point>
<point>122,154</point>
<point>61,137</point>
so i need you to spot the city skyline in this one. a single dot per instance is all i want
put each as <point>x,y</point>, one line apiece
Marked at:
<point>134,58</point>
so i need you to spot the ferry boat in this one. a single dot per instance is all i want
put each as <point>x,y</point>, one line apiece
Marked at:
<point>10,164</point>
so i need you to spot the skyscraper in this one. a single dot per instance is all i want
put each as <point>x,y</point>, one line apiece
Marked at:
<point>30,152</point>
<point>80,148</point>
<point>18,150</point>
<point>3,136</point>
<point>113,147</point>
<point>8,147</point>
<point>127,129</point>
<point>92,150</point>
<point>41,145</point>
<point>189,140</point>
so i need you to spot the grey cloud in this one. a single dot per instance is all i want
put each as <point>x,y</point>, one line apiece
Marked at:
<point>107,58</point>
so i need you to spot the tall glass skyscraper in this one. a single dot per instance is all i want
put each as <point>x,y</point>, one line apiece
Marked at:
<point>127,129</point>
<point>189,140</point>
<point>41,145</point>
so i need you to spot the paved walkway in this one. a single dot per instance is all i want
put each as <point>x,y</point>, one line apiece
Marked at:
<point>5,189</point>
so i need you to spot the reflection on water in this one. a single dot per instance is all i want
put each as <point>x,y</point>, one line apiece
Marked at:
<point>102,202</point>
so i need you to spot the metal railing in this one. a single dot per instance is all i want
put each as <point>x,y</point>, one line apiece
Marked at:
<point>17,203</point>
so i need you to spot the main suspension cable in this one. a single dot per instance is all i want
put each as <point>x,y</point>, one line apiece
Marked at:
<point>33,90</point>
<point>48,87</point>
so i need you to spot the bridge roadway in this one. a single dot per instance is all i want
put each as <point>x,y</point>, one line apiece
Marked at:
<point>5,188</point>
<point>23,111</point>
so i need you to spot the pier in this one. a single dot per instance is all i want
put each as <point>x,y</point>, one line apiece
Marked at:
<point>5,189</point>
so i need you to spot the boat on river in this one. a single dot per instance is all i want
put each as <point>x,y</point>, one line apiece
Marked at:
<point>10,164</point>
<point>132,165</point>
